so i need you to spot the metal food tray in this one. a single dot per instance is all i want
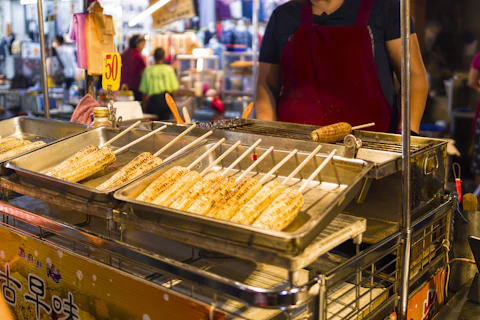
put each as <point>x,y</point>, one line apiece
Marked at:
<point>322,202</point>
<point>31,167</point>
<point>384,150</point>
<point>37,129</point>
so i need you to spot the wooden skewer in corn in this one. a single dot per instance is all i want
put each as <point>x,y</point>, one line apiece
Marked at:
<point>336,131</point>
<point>189,146</point>
<point>168,145</point>
<point>173,107</point>
<point>121,134</point>
<point>206,154</point>
<point>131,144</point>
<point>303,164</point>
<point>217,161</point>
<point>317,171</point>
<point>242,156</point>
<point>278,166</point>
<point>255,164</point>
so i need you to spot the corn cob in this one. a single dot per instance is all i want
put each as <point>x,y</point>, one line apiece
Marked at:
<point>217,192</point>
<point>162,183</point>
<point>71,161</point>
<point>7,141</point>
<point>13,144</point>
<point>282,211</point>
<point>185,200</point>
<point>332,133</point>
<point>18,151</point>
<point>250,212</point>
<point>88,165</point>
<point>229,207</point>
<point>180,186</point>
<point>142,163</point>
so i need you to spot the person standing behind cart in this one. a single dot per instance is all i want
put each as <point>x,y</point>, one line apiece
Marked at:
<point>133,65</point>
<point>157,80</point>
<point>474,83</point>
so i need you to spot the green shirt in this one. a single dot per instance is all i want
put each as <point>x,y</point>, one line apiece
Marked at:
<point>157,79</point>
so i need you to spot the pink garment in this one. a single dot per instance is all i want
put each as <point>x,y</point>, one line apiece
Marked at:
<point>84,111</point>
<point>476,62</point>
<point>78,34</point>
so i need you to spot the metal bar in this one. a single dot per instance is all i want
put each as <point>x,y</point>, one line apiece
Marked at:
<point>406,212</point>
<point>43,51</point>
<point>256,6</point>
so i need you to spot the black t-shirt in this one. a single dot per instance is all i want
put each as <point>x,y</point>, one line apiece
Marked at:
<point>384,24</point>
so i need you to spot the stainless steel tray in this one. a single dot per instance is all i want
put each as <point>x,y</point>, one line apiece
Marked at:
<point>37,129</point>
<point>30,167</point>
<point>322,203</point>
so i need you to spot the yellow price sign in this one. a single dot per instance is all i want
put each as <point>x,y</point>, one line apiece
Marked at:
<point>112,69</point>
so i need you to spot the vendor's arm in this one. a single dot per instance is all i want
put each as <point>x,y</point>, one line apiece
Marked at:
<point>269,85</point>
<point>474,74</point>
<point>419,82</point>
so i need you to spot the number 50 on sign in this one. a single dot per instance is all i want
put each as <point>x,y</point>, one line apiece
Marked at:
<point>112,68</point>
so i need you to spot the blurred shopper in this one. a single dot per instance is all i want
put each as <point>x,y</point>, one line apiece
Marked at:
<point>133,65</point>
<point>67,60</point>
<point>157,80</point>
<point>474,83</point>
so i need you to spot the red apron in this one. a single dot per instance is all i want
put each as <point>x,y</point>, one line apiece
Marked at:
<point>329,75</point>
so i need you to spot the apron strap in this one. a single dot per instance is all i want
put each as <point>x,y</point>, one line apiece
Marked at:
<point>307,13</point>
<point>364,13</point>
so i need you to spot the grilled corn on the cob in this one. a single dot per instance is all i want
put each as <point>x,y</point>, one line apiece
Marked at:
<point>162,183</point>
<point>6,141</point>
<point>332,133</point>
<point>228,208</point>
<point>250,212</point>
<point>185,200</point>
<point>89,165</point>
<point>217,192</point>
<point>20,150</point>
<point>13,144</point>
<point>71,161</point>
<point>283,210</point>
<point>180,186</point>
<point>142,163</point>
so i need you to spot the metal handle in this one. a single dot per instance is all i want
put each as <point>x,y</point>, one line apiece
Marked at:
<point>430,165</point>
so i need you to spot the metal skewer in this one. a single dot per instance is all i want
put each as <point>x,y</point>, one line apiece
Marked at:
<point>303,164</point>
<point>278,166</point>
<point>255,164</point>
<point>206,154</point>
<point>121,134</point>
<point>226,153</point>
<point>168,145</point>
<point>236,162</point>
<point>138,140</point>
<point>318,170</point>
<point>189,146</point>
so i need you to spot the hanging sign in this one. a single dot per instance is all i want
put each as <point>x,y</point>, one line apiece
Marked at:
<point>172,11</point>
<point>112,70</point>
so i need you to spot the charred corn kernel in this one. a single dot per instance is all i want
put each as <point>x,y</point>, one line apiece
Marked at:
<point>250,211</point>
<point>332,133</point>
<point>20,150</point>
<point>162,183</point>
<point>7,141</point>
<point>71,161</point>
<point>142,163</point>
<point>229,207</point>
<point>217,192</point>
<point>283,210</point>
<point>180,186</point>
<point>186,199</point>
<point>89,165</point>
<point>13,144</point>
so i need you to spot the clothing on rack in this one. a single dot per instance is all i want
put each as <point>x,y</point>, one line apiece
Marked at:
<point>207,13</point>
<point>236,9</point>
<point>99,39</point>
<point>77,34</point>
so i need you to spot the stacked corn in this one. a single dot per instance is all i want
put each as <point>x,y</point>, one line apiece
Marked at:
<point>11,147</point>
<point>272,206</point>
